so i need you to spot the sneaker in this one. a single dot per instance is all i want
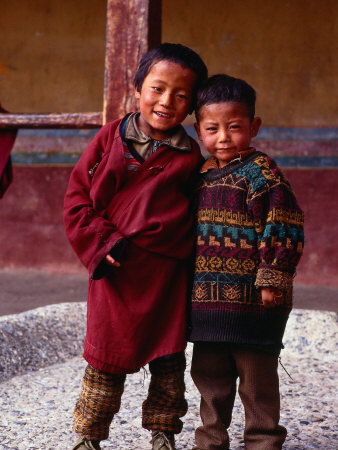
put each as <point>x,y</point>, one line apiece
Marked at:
<point>85,444</point>
<point>162,440</point>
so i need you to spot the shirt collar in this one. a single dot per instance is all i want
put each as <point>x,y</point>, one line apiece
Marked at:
<point>179,140</point>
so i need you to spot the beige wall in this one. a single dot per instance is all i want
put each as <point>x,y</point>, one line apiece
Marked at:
<point>52,55</point>
<point>287,49</point>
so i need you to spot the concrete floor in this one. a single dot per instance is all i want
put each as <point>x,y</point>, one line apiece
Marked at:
<point>24,290</point>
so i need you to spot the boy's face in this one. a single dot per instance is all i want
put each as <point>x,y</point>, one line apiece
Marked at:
<point>226,129</point>
<point>165,98</point>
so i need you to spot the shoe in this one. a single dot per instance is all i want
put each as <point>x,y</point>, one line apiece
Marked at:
<point>85,444</point>
<point>162,440</point>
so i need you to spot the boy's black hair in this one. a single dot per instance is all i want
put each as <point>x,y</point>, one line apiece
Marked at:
<point>176,53</point>
<point>223,88</point>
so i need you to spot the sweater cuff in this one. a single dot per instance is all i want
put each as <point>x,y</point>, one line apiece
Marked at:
<point>273,278</point>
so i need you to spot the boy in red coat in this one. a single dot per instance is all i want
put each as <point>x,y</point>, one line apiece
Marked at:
<point>128,218</point>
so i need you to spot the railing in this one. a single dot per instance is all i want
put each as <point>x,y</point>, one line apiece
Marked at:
<point>53,120</point>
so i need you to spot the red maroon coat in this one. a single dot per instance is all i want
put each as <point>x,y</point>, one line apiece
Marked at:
<point>137,313</point>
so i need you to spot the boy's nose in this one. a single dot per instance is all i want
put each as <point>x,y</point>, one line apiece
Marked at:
<point>224,135</point>
<point>166,99</point>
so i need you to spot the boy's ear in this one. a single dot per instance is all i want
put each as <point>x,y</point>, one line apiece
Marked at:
<point>137,93</point>
<point>197,128</point>
<point>255,125</point>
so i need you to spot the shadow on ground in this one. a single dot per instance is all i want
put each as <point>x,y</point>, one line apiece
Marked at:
<point>24,290</point>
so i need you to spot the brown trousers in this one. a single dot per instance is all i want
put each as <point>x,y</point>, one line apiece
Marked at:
<point>215,369</point>
<point>101,393</point>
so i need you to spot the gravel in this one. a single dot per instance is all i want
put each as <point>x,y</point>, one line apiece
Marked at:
<point>41,369</point>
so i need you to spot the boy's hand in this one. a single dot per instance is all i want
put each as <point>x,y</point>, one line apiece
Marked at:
<point>271,297</point>
<point>111,261</point>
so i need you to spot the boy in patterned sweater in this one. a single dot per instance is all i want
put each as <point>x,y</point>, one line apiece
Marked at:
<point>249,241</point>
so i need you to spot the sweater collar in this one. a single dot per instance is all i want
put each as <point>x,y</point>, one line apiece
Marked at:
<point>212,163</point>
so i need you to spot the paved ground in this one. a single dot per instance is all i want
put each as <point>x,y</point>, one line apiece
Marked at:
<point>24,290</point>
<point>37,403</point>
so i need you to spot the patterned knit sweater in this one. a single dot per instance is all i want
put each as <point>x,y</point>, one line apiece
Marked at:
<point>249,236</point>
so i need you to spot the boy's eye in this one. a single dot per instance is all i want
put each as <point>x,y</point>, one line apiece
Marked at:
<point>182,96</point>
<point>234,127</point>
<point>157,89</point>
<point>211,129</point>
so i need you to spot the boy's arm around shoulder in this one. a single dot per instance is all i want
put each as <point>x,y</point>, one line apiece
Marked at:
<point>90,234</point>
<point>279,225</point>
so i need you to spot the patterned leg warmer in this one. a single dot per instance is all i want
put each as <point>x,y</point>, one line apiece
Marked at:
<point>165,403</point>
<point>99,400</point>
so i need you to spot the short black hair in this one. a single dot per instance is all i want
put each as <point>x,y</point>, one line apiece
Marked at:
<point>224,88</point>
<point>177,53</point>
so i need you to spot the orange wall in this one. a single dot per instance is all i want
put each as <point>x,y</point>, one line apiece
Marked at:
<point>52,55</point>
<point>286,49</point>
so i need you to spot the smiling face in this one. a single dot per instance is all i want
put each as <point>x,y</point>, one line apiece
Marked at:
<point>165,98</point>
<point>226,129</point>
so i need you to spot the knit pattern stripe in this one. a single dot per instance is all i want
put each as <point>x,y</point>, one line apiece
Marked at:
<point>249,236</point>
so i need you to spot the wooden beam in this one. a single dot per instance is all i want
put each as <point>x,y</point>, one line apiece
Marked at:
<point>128,36</point>
<point>53,120</point>
<point>154,23</point>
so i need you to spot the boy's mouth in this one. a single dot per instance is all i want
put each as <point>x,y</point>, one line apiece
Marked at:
<point>162,114</point>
